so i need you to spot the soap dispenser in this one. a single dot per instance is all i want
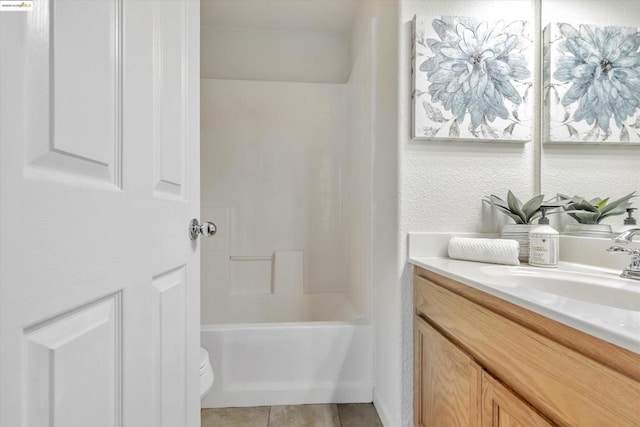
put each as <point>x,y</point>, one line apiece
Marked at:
<point>544,243</point>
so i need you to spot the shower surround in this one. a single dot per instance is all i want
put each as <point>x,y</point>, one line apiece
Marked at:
<point>286,283</point>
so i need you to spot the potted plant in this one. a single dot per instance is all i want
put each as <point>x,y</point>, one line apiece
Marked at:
<point>515,209</point>
<point>522,214</point>
<point>589,213</point>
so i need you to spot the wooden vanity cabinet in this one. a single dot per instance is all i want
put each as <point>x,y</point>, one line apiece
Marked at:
<point>451,389</point>
<point>481,361</point>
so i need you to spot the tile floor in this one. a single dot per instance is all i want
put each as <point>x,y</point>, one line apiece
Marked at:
<point>329,415</point>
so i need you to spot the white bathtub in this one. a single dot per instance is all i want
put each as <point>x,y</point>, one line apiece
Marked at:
<point>289,363</point>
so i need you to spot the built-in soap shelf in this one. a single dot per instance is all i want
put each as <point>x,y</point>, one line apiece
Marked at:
<point>251,258</point>
<point>282,272</point>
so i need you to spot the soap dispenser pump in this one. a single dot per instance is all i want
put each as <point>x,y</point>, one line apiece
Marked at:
<point>629,221</point>
<point>544,243</point>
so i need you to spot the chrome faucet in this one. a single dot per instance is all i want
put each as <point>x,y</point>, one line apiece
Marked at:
<point>632,271</point>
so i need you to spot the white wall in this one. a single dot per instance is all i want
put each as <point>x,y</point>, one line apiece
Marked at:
<point>382,16</point>
<point>287,167</point>
<point>591,171</point>
<point>442,183</point>
<point>357,195</point>
<point>274,55</point>
<point>271,163</point>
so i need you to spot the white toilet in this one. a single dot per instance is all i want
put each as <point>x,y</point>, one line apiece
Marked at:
<point>206,374</point>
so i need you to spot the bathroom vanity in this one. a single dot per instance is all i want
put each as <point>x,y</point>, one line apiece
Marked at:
<point>497,357</point>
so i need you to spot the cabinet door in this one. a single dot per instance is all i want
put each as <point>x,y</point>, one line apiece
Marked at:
<point>447,382</point>
<point>502,408</point>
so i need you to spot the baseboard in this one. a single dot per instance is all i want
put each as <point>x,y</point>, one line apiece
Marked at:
<point>383,413</point>
<point>303,396</point>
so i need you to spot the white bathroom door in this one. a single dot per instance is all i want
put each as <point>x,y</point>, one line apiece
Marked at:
<point>99,177</point>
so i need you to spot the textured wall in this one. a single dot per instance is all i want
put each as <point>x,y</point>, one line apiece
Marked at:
<point>442,183</point>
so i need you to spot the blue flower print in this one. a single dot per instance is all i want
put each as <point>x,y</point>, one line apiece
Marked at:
<point>474,67</point>
<point>602,64</point>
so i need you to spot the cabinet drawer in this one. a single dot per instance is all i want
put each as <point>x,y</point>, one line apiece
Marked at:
<point>570,388</point>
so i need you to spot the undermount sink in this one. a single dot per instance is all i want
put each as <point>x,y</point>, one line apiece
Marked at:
<point>595,288</point>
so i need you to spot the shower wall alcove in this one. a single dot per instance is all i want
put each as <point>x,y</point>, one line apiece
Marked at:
<point>286,166</point>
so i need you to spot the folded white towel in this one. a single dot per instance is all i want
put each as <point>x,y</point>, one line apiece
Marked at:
<point>495,251</point>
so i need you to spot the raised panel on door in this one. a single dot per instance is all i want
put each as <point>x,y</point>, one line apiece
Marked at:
<point>502,408</point>
<point>446,381</point>
<point>170,97</point>
<point>73,367</point>
<point>74,90</point>
<point>170,348</point>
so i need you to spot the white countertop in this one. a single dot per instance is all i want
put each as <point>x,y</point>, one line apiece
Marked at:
<point>615,325</point>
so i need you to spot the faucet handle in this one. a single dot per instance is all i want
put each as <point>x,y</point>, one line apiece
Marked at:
<point>632,271</point>
<point>634,252</point>
<point>618,249</point>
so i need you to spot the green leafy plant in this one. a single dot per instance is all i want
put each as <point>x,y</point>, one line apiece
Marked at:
<point>515,209</point>
<point>595,210</point>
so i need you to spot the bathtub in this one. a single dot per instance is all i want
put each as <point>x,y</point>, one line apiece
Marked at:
<point>281,363</point>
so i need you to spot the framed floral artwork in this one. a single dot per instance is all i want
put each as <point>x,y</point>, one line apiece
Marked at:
<point>472,79</point>
<point>591,84</point>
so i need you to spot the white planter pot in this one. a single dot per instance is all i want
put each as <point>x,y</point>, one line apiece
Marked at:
<point>589,230</point>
